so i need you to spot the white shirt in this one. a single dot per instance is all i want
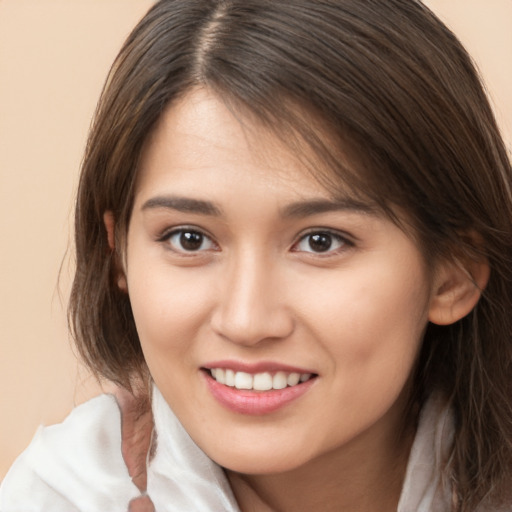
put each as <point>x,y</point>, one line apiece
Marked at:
<point>77,466</point>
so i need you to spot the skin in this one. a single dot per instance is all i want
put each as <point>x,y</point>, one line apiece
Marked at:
<point>257,290</point>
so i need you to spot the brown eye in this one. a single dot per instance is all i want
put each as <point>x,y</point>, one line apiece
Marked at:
<point>321,242</point>
<point>191,240</point>
<point>188,240</point>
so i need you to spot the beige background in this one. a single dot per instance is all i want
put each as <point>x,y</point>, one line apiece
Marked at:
<point>54,56</point>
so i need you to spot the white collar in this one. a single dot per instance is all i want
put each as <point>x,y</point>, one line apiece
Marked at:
<point>425,487</point>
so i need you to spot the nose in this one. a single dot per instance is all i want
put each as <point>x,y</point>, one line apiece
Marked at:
<point>251,306</point>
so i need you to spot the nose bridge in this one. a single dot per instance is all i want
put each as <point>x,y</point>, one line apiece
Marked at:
<point>250,307</point>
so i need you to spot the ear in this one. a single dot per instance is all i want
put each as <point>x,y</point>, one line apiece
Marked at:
<point>109,221</point>
<point>457,289</point>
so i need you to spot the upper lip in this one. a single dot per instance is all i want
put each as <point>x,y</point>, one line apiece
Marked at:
<point>256,367</point>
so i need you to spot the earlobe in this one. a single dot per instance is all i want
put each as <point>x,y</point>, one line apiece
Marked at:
<point>457,289</point>
<point>109,221</point>
<point>121,282</point>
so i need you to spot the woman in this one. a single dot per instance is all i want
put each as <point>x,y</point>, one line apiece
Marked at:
<point>294,225</point>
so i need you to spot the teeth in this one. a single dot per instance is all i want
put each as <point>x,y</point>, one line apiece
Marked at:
<point>230,378</point>
<point>262,382</point>
<point>259,381</point>
<point>243,380</point>
<point>293,379</point>
<point>279,381</point>
<point>220,375</point>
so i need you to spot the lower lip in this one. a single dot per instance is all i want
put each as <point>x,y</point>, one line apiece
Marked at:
<point>256,403</point>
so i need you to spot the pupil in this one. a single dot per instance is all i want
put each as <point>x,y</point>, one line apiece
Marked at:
<point>191,241</point>
<point>321,242</point>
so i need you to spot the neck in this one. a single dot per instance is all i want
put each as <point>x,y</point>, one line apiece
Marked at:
<point>364,476</point>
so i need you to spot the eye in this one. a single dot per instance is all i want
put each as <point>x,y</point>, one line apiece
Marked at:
<point>188,241</point>
<point>322,242</point>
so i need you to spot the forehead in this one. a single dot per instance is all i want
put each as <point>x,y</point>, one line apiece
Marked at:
<point>200,141</point>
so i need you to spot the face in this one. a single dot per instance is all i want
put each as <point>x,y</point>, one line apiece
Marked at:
<point>280,323</point>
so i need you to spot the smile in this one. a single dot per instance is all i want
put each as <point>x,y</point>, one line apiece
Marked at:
<point>264,381</point>
<point>257,392</point>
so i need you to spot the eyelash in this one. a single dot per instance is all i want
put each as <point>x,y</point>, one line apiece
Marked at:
<point>330,236</point>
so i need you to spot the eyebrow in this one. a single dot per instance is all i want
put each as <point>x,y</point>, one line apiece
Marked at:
<point>299,209</point>
<point>183,204</point>
<point>308,208</point>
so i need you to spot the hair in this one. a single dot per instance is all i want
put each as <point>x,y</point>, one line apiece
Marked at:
<point>388,101</point>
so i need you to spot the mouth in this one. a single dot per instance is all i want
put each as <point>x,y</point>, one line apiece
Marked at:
<point>262,381</point>
<point>255,392</point>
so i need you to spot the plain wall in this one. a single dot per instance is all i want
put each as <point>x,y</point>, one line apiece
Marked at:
<point>54,56</point>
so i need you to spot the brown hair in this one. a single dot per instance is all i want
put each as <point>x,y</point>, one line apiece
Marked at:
<point>382,81</point>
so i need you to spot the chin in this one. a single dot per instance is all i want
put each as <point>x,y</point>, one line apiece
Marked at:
<point>259,460</point>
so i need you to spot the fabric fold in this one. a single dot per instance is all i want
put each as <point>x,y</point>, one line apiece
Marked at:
<point>74,466</point>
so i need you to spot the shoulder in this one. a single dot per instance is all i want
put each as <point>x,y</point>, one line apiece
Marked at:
<point>73,466</point>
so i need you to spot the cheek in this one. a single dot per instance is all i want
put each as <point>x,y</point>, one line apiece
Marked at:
<point>169,307</point>
<point>371,321</point>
